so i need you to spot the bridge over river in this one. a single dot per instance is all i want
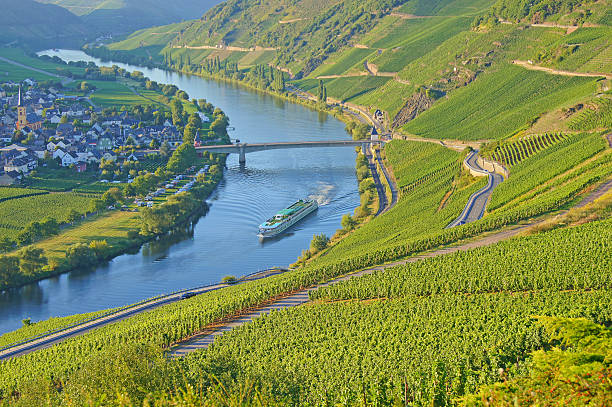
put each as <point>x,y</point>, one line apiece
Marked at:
<point>243,148</point>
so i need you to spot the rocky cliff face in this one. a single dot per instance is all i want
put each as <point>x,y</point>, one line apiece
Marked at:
<point>418,103</point>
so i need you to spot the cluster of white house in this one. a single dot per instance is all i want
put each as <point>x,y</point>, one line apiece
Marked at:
<point>32,128</point>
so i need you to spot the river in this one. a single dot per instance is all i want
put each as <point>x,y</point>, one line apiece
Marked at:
<point>224,241</point>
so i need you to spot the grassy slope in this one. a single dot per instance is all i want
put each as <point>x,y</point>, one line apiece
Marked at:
<point>424,51</point>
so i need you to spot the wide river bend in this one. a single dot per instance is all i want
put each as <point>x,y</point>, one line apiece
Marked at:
<point>223,242</point>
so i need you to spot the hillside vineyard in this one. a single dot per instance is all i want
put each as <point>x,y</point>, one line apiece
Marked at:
<point>472,268</point>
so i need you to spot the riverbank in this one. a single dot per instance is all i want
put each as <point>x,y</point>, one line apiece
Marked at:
<point>335,110</point>
<point>117,232</point>
<point>222,242</point>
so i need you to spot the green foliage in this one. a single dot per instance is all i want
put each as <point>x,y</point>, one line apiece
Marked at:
<point>229,280</point>
<point>573,374</point>
<point>348,223</point>
<point>319,243</point>
<point>414,39</point>
<point>18,213</point>
<point>182,158</point>
<point>508,266</point>
<point>537,11</point>
<point>545,165</point>
<point>419,351</point>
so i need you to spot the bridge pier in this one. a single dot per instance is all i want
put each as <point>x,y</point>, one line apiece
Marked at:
<point>242,154</point>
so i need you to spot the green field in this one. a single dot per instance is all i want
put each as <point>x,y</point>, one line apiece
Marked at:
<point>18,213</point>
<point>17,55</point>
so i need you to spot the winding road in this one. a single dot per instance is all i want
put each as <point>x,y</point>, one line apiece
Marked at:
<point>476,205</point>
<point>390,182</point>
<point>380,189</point>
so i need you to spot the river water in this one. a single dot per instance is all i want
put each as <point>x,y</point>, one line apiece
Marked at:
<point>223,242</point>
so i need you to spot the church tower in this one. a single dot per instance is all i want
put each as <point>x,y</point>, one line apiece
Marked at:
<point>22,119</point>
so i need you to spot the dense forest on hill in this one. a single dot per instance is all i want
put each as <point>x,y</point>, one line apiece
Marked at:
<point>125,16</point>
<point>32,24</point>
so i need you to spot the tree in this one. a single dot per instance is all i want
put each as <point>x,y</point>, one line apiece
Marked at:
<point>322,92</point>
<point>31,260</point>
<point>154,145</point>
<point>112,196</point>
<point>6,244</point>
<point>9,270</point>
<point>49,226</point>
<point>73,216</point>
<point>366,185</point>
<point>164,149</point>
<point>80,255</point>
<point>64,119</point>
<point>182,158</point>
<point>318,243</point>
<point>348,223</point>
<point>97,205</point>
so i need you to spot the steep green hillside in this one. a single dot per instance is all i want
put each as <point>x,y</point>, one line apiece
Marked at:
<point>36,25</point>
<point>124,16</point>
<point>450,58</point>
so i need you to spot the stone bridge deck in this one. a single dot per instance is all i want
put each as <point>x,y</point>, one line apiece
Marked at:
<point>243,148</point>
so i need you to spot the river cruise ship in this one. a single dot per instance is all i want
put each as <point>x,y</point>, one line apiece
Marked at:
<point>287,217</point>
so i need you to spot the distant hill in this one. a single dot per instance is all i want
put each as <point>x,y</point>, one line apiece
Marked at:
<point>29,23</point>
<point>125,16</point>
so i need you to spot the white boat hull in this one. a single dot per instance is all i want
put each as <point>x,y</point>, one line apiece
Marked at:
<point>286,225</point>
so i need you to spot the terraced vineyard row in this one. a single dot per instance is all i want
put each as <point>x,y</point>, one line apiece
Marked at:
<point>507,266</point>
<point>549,163</point>
<point>600,116</point>
<point>513,152</point>
<point>18,213</point>
<point>15,193</point>
<point>430,341</point>
<point>408,351</point>
<point>437,174</point>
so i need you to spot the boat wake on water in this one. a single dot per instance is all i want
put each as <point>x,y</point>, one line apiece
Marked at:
<point>324,194</point>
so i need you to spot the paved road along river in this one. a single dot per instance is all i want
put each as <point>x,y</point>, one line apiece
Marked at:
<point>223,242</point>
